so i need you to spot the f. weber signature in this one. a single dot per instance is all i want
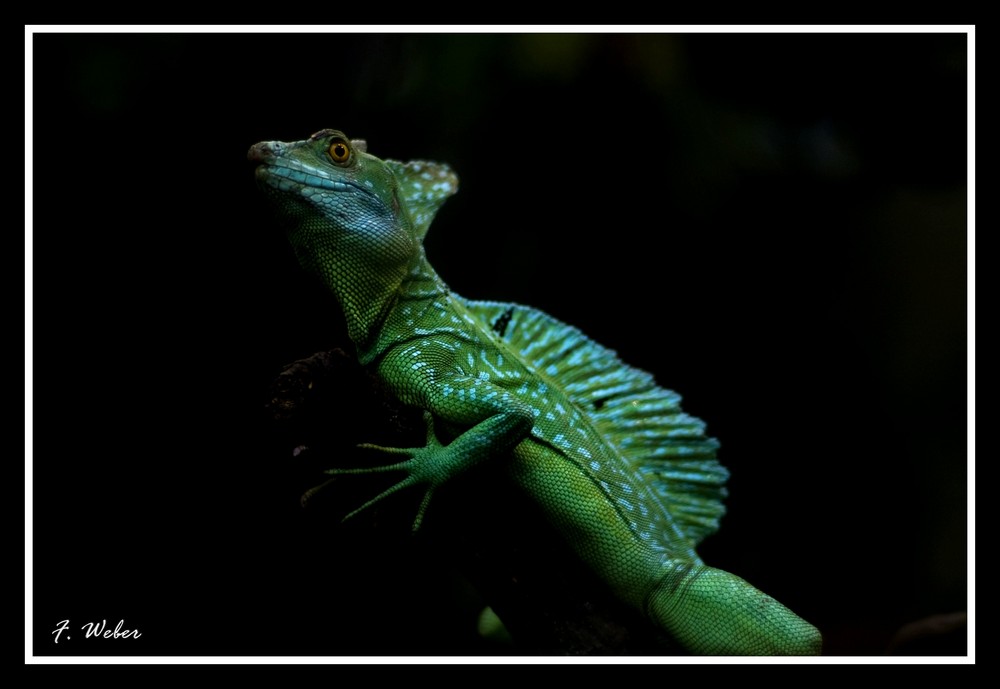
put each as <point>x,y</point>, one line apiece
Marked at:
<point>99,630</point>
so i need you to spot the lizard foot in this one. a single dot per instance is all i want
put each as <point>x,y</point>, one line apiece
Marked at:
<point>422,467</point>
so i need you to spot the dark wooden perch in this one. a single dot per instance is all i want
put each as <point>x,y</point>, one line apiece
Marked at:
<point>549,601</point>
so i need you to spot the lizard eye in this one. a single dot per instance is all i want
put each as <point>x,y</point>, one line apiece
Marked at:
<point>339,151</point>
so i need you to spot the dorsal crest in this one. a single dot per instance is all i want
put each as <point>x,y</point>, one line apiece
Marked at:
<point>642,420</point>
<point>423,188</point>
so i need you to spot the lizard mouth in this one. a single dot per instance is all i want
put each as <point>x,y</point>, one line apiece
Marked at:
<point>277,170</point>
<point>283,177</point>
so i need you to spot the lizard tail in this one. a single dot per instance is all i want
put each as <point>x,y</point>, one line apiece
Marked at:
<point>714,612</point>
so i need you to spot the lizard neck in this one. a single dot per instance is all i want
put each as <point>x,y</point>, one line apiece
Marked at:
<point>380,320</point>
<point>391,272</point>
<point>420,292</point>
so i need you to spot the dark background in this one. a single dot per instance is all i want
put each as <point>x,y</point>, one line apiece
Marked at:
<point>774,225</point>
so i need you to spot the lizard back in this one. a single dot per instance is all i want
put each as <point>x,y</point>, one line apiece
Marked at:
<point>641,422</point>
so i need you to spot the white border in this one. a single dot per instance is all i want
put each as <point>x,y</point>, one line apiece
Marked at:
<point>29,659</point>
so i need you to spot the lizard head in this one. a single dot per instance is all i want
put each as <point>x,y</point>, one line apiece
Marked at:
<point>335,199</point>
<point>354,221</point>
<point>332,194</point>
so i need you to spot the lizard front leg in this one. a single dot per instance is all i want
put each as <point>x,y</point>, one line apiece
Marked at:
<point>495,423</point>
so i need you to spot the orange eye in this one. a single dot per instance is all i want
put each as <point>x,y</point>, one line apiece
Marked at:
<point>340,151</point>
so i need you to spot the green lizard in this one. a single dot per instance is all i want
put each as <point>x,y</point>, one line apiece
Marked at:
<point>630,481</point>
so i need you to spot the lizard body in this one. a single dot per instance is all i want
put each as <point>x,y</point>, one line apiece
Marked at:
<point>627,479</point>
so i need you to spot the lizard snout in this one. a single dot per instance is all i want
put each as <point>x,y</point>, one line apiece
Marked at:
<point>265,151</point>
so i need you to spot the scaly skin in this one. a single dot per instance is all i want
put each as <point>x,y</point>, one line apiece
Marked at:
<point>628,479</point>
